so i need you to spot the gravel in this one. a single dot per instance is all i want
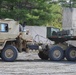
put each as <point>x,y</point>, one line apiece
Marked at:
<point>31,64</point>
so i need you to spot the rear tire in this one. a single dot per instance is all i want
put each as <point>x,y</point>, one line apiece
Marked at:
<point>42,55</point>
<point>71,54</point>
<point>9,53</point>
<point>56,53</point>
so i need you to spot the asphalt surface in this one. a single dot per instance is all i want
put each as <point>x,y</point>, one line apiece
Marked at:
<point>31,64</point>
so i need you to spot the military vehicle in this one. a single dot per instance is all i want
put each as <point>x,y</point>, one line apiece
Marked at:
<point>13,39</point>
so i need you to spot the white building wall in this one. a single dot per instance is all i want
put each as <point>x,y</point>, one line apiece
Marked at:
<point>39,33</point>
<point>69,19</point>
<point>69,22</point>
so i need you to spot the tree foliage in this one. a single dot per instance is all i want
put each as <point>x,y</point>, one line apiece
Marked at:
<point>68,3</point>
<point>34,12</point>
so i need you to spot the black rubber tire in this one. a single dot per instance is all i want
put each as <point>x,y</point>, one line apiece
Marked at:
<point>13,58</point>
<point>67,54</point>
<point>42,55</point>
<point>51,53</point>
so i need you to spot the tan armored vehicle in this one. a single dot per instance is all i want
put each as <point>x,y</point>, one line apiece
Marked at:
<point>12,39</point>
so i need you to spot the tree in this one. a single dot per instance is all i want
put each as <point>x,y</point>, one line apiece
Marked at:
<point>34,12</point>
<point>68,3</point>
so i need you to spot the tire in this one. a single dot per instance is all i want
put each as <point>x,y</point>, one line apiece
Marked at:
<point>71,54</point>
<point>9,53</point>
<point>56,53</point>
<point>42,55</point>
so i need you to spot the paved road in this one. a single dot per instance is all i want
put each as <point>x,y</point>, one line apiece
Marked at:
<point>30,64</point>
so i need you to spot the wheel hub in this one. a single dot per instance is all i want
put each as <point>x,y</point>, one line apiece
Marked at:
<point>9,53</point>
<point>56,54</point>
<point>73,53</point>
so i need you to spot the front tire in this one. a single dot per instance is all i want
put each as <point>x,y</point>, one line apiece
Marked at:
<point>9,53</point>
